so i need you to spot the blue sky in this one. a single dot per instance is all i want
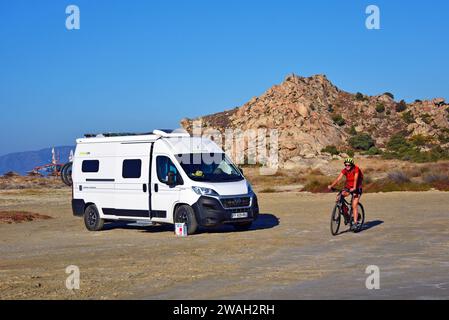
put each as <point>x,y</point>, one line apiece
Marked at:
<point>139,65</point>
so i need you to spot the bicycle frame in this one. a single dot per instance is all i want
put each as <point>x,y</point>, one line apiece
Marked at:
<point>342,200</point>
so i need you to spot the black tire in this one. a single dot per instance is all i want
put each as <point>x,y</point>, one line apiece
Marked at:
<point>335,221</point>
<point>66,174</point>
<point>243,226</point>
<point>92,219</point>
<point>185,214</point>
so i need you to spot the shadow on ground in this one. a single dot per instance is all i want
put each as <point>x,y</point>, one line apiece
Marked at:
<point>371,224</point>
<point>366,226</point>
<point>265,221</point>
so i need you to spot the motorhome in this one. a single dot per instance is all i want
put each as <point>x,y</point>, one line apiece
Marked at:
<point>160,177</point>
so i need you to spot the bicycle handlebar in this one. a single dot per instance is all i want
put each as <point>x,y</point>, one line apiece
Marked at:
<point>338,190</point>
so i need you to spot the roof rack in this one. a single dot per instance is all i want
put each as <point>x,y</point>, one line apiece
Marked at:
<point>114,134</point>
<point>159,132</point>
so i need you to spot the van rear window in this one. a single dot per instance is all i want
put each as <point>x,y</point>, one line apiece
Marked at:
<point>132,169</point>
<point>91,166</point>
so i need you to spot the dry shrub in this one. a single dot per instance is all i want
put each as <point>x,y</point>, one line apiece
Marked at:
<point>433,177</point>
<point>12,182</point>
<point>387,185</point>
<point>317,184</point>
<point>20,216</point>
<point>437,180</point>
<point>398,177</point>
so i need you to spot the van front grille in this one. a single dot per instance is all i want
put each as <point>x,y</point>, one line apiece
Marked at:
<point>229,203</point>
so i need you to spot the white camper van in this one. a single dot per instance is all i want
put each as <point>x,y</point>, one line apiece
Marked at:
<point>162,177</point>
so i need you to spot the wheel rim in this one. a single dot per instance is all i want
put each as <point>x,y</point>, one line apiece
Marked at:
<point>92,218</point>
<point>182,216</point>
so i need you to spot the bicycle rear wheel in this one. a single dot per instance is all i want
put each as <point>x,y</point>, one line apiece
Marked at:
<point>361,216</point>
<point>335,221</point>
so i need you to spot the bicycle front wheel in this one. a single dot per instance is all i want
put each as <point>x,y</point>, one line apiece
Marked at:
<point>335,221</point>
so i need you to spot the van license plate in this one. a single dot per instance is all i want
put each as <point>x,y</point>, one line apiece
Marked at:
<point>238,215</point>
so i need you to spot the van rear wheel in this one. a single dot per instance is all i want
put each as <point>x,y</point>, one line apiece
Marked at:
<point>92,219</point>
<point>185,214</point>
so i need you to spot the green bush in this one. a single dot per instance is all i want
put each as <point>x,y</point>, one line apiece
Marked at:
<point>427,118</point>
<point>352,131</point>
<point>400,148</point>
<point>389,94</point>
<point>380,107</point>
<point>419,140</point>
<point>443,137</point>
<point>373,151</point>
<point>350,153</point>
<point>408,117</point>
<point>362,141</point>
<point>401,106</point>
<point>388,112</point>
<point>398,142</point>
<point>360,97</point>
<point>338,120</point>
<point>331,149</point>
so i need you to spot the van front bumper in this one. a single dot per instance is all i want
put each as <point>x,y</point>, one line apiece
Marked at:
<point>211,211</point>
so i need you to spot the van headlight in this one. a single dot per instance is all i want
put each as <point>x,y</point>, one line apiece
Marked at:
<point>204,191</point>
<point>250,189</point>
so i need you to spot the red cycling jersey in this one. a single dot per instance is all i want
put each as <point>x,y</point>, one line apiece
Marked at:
<point>350,177</point>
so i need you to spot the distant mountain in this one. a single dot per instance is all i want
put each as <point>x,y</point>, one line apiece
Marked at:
<point>22,162</point>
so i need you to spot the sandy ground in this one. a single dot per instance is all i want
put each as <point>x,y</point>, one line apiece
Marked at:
<point>288,254</point>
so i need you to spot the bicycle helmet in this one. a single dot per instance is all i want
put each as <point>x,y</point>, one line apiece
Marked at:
<point>350,161</point>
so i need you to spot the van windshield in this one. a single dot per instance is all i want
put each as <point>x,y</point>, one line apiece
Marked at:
<point>209,167</point>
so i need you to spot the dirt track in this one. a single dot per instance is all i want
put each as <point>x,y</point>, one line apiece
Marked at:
<point>289,253</point>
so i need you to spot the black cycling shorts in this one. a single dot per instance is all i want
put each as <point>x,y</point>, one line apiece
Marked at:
<point>357,192</point>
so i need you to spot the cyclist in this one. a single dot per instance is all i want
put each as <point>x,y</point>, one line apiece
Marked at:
<point>354,180</point>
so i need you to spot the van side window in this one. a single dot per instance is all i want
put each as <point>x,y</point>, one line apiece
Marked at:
<point>91,166</point>
<point>132,169</point>
<point>164,165</point>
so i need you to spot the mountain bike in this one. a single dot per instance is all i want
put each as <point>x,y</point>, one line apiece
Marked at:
<point>343,209</point>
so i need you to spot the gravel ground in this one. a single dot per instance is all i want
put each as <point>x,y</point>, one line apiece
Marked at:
<point>288,254</point>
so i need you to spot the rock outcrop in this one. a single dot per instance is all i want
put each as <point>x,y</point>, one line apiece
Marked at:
<point>310,113</point>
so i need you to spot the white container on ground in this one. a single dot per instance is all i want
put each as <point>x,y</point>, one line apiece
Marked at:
<point>181,229</point>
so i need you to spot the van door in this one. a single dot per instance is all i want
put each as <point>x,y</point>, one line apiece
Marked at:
<point>132,183</point>
<point>163,196</point>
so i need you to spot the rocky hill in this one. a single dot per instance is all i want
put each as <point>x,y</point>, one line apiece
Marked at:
<point>310,114</point>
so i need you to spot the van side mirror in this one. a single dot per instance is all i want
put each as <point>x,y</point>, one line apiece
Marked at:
<point>171,179</point>
<point>241,171</point>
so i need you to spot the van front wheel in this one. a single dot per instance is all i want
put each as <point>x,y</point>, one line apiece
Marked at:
<point>92,219</point>
<point>185,214</point>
